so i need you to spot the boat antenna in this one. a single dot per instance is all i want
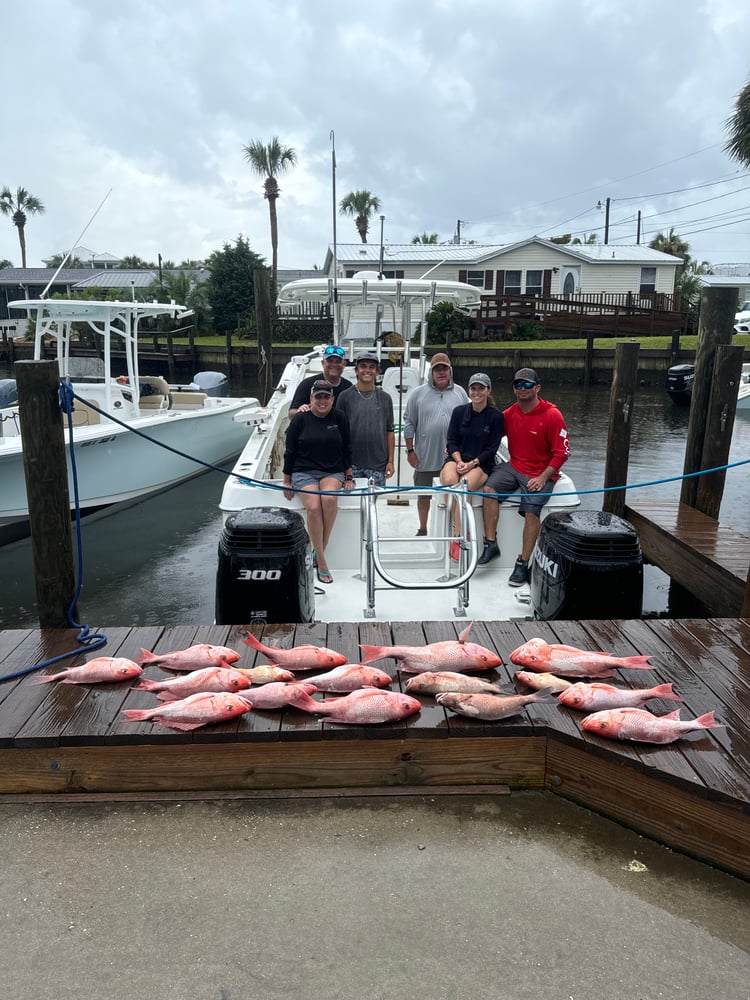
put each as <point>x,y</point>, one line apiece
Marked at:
<point>336,337</point>
<point>62,262</point>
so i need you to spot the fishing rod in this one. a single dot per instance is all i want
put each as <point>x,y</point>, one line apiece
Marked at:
<point>77,242</point>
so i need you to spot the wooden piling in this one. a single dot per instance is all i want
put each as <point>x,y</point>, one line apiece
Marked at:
<point>46,472</point>
<point>718,306</point>
<point>717,437</point>
<point>621,402</point>
<point>264,330</point>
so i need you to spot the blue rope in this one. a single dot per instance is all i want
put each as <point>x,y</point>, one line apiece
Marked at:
<point>91,640</point>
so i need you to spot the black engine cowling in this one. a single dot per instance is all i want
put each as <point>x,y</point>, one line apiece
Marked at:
<point>265,571</point>
<point>586,564</point>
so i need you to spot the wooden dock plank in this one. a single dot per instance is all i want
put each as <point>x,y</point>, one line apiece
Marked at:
<point>708,559</point>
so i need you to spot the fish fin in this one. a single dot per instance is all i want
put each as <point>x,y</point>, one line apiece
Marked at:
<point>168,696</point>
<point>302,700</point>
<point>49,677</point>
<point>636,662</point>
<point>254,643</point>
<point>137,714</point>
<point>146,656</point>
<point>144,684</point>
<point>669,715</point>
<point>707,721</point>
<point>371,653</point>
<point>465,633</point>
<point>666,692</point>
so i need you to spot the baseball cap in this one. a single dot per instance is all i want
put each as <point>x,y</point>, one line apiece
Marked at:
<point>366,356</point>
<point>321,386</point>
<point>482,379</point>
<point>440,359</point>
<point>526,374</point>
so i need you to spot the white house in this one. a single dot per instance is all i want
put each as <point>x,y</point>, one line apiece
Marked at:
<point>532,267</point>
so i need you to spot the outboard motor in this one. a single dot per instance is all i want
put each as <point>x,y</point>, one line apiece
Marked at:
<point>680,380</point>
<point>212,383</point>
<point>8,392</point>
<point>586,564</point>
<point>265,569</point>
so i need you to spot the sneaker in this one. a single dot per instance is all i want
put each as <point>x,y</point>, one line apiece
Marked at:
<point>454,551</point>
<point>520,574</point>
<point>421,532</point>
<point>490,552</point>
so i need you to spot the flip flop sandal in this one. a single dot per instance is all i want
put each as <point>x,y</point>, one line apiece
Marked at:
<point>324,576</point>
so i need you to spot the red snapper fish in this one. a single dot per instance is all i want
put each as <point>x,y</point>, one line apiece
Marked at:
<point>598,697</point>
<point>541,681</point>
<point>541,657</point>
<point>437,681</point>
<point>279,695</point>
<point>216,679</point>
<point>306,657</point>
<point>101,670</point>
<point>192,658</point>
<point>190,713</point>
<point>490,707</point>
<point>265,674</point>
<point>643,727</point>
<point>367,706</point>
<point>350,677</point>
<point>454,655</point>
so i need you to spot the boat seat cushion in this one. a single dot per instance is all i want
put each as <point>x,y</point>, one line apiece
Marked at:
<point>184,400</point>
<point>83,416</point>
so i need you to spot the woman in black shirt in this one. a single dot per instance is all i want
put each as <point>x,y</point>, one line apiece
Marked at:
<point>317,460</point>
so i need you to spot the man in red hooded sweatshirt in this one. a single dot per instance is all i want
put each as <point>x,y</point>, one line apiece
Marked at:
<point>538,445</point>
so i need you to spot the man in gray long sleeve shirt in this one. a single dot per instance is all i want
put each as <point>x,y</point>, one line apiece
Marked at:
<point>426,418</point>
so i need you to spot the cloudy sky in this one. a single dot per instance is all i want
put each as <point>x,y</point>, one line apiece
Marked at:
<point>515,116</point>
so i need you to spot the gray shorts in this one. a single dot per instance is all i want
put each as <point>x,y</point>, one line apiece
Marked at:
<point>312,477</point>
<point>506,480</point>
<point>425,478</point>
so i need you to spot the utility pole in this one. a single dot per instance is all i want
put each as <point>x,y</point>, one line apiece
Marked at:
<point>606,222</point>
<point>382,221</point>
<point>457,237</point>
<point>638,231</point>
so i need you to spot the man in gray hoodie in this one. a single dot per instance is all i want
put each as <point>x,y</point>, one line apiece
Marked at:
<point>426,418</point>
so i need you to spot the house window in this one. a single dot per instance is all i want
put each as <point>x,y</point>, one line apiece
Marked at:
<point>475,278</point>
<point>534,282</point>
<point>648,280</point>
<point>512,282</point>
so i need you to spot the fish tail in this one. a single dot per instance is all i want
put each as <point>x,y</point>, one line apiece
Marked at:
<point>146,656</point>
<point>144,684</point>
<point>636,662</point>
<point>137,714</point>
<point>708,721</point>
<point>302,700</point>
<point>371,653</point>
<point>665,692</point>
<point>465,633</point>
<point>254,643</point>
<point>49,677</point>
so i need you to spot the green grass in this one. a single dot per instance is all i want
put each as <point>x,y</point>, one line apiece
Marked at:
<point>604,343</point>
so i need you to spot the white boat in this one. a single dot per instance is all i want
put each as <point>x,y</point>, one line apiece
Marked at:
<point>743,394</point>
<point>681,378</point>
<point>114,464</point>
<point>380,568</point>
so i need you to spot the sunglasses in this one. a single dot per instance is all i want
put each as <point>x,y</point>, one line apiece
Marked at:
<point>334,352</point>
<point>524,384</point>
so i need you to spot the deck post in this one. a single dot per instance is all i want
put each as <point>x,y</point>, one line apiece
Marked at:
<point>264,331</point>
<point>718,306</point>
<point>719,425</point>
<point>46,472</point>
<point>621,401</point>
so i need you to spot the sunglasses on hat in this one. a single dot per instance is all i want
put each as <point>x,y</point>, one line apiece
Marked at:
<point>334,352</point>
<point>523,383</point>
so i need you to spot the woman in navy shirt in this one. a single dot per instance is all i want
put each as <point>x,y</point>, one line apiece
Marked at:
<point>318,459</point>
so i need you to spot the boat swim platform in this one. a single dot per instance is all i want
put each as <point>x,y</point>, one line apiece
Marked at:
<point>64,742</point>
<point>706,558</point>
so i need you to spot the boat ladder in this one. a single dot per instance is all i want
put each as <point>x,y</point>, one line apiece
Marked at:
<point>371,564</point>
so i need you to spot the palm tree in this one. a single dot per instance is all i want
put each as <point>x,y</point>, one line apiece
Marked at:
<point>269,160</point>
<point>738,126</point>
<point>361,205</point>
<point>587,241</point>
<point>18,208</point>
<point>671,242</point>
<point>425,238</point>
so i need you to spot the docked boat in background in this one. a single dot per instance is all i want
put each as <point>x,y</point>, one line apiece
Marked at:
<point>114,463</point>
<point>681,378</point>
<point>381,569</point>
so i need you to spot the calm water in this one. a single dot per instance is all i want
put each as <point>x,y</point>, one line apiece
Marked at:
<point>155,563</point>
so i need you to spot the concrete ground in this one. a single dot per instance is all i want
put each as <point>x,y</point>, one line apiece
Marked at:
<point>456,897</point>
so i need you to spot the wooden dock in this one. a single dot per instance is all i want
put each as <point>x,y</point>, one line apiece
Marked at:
<point>698,552</point>
<point>70,741</point>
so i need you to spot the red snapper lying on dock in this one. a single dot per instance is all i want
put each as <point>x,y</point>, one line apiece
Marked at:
<point>544,657</point>
<point>643,727</point>
<point>101,670</point>
<point>193,712</point>
<point>368,706</point>
<point>599,697</point>
<point>304,657</point>
<point>192,658</point>
<point>490,707</point>
<point>214,679</point>
<point>456,655</point>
